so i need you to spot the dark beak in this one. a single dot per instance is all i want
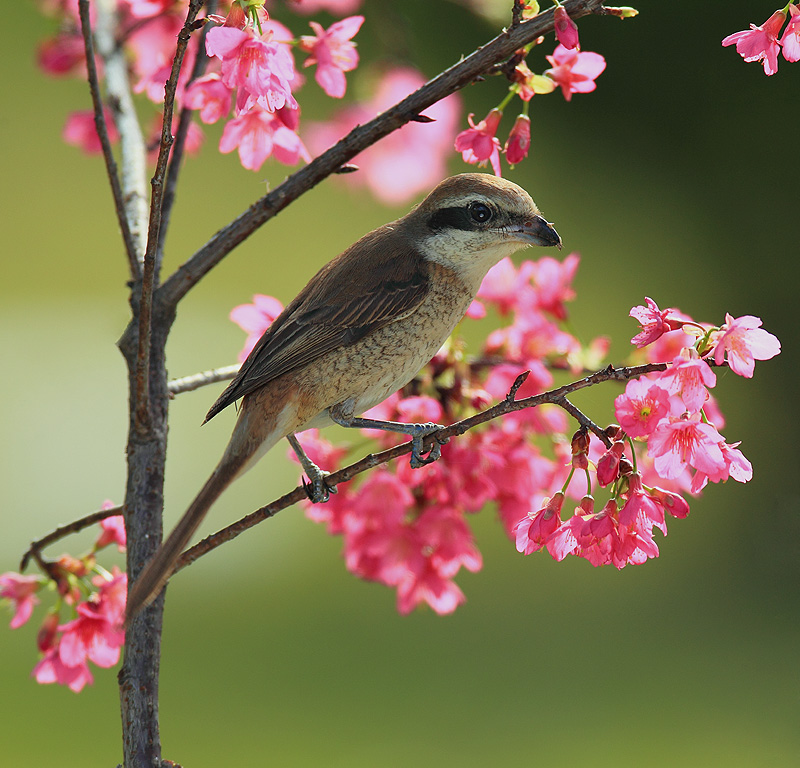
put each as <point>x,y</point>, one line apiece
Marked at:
<point>537,231</point>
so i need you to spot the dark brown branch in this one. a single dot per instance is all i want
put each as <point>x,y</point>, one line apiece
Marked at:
<point>457,76</point>
<point>65,530</point>
<point>508,405</point>
<point>149,275</point>
<point>105,142</point>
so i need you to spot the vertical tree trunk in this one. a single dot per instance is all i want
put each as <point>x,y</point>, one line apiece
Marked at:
<point>144,503</point>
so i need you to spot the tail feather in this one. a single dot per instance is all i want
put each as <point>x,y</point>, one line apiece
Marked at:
<point>159,568</point>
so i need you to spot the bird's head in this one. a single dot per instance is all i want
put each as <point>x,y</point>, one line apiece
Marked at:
<point>471,221</point>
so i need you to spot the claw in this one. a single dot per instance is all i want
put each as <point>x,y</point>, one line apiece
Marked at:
<point>317,489</point>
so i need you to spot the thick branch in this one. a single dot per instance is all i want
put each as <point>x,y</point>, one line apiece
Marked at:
<point>105,142</point>
<point>508,405</point>
<point>459,75</point>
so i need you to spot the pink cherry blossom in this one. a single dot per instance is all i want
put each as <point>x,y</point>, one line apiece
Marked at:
<point>790,40</point>
<point>407,162</point>
<point>506,287</point>
<point>210,96</point>
<point>533,531</point>
<point>654,322</point>
<point>63,54</point>
<point>51,669</point>
<point>760,43</point>
<point>566,28</point>
<point>333,53</point>
<point>672,502</point>
<point>690,378</point>
<point>254,319</point>
<point>113,531</point>
<point>479,143</point>
<point>573,71</point>
<point>258,134</point>
<point>262,70</point>
<point>741,341</point>
<point>608,464</point>
<point>686,442</point>
<point>642,407</point>
<point>735,465</point>
<point>80,131</point>
<point>519,140</point>
<point>553,282</point>
<point>21,590</point>
<point>428,586</point>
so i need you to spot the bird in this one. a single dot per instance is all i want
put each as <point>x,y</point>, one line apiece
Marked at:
<point>361,329</point>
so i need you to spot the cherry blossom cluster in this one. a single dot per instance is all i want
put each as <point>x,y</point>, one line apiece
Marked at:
<point>572,70</point>
<point>408,528</point>
<point>765,42</point>
<point>251,76</point>
<point>93,597</point>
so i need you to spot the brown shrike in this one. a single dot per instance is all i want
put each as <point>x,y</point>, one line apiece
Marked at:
<point>361,329</point>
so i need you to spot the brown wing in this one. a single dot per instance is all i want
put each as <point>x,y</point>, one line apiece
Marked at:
<point>358,292</point>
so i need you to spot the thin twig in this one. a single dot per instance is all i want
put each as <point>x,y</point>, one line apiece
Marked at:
<point>105,142</point>
<point>197,380</point>
<point>65,530</point>
<point>508,405</point>
<point>181,134</point>
<point>457,76</point>
<point>149,274</point>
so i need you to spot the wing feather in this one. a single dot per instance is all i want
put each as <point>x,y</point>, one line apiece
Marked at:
<point>367,287</point>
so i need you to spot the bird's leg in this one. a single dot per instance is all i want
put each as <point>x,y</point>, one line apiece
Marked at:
<point>343,414</point>
<point>318,490</point>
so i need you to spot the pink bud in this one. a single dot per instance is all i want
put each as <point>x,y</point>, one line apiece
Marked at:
<point>519,140</point>
<point>608,465</point>
<point>566,29</point>
<point>675,504</point>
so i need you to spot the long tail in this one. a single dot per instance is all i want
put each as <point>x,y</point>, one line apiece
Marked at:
<point>158,569</point>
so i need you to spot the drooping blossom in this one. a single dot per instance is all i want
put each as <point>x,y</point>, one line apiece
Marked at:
<point>113,530</point>
<point>552,280</point>
<point>261,69</point>
<point>519,140</point>
<point>21,591</point>
<point>479,143</point>
<point>790,40</point>
<point>566,29</point>
<point>734,464</point>
<point>529,83</point>
<point>257,134</point>
<point>681,442</point>
<point>254,319</point>
<point>760,43</point>
<point>333,53</point>
<point>741,341</point>
<point>533,531</point>
<point>574,71</point>
<point>63,54</point>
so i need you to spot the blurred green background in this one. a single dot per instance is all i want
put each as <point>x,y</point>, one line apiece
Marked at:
<point>676,179</point>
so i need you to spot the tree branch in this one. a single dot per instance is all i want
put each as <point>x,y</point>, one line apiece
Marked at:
<point>105,142</point>
<point>508,405</point>
<point>457,76</point>
<point>197,380</point>
<point>132,148</point>
<point>65,530</point>
<point>149,274</point>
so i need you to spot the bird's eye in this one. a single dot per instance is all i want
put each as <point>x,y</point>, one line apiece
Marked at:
<point>480,213</point>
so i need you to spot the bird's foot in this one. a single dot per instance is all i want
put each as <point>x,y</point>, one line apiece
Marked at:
<point>418,435</point>
<point>317,489</point>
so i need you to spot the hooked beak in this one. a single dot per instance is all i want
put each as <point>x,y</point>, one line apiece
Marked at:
<point>537,231</point>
